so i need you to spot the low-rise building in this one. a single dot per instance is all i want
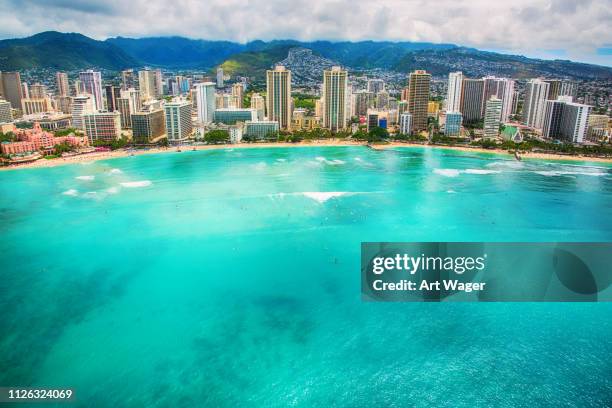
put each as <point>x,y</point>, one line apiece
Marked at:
<point>259,130</point>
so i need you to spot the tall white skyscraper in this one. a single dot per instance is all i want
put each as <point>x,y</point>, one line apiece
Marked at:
<point>567,120</point>
<point>405,123</point>
<point>335,91</point>
<point>505,92</point>
<point>81,105</point>
<point>91,82</point>
<point>536,93</point>
<point>453,95</point>
<point>205,101</point>
<point>278,97</point>
<point>492,117</point>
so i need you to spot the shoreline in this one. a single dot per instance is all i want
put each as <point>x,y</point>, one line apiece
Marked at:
<point>89,157</point>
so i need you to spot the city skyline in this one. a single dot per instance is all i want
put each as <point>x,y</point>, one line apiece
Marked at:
<point>559,29</point>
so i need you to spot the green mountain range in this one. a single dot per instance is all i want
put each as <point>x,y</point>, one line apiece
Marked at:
<point>61,51</point>
<point>65,51</point>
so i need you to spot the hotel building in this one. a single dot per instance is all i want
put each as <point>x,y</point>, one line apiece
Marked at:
<point>278,97</point>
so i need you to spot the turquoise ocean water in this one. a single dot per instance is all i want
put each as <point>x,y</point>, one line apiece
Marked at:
<point>231,278</point>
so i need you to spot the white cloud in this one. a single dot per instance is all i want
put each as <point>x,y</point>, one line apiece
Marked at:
<point>527,26</point>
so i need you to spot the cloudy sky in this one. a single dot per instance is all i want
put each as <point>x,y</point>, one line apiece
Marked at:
<point>571,29</point>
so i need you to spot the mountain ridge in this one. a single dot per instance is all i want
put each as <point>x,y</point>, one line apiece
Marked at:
<point>52,49</point>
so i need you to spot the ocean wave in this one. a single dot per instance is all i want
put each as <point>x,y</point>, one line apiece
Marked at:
<point>134,184</point>
<point>281,160</point>
<point>85,178</point>
<point>90,195</point>
<point>335,162</point>
<point>512,164</point>
<point>72,192</point>
<point>557,173</point>
<point>451,191</point>
<point>115,171</point>
<point>112,190</point>
<point>318,196</point>
<point>323,196</point>
<point>447,172</point>
<point>481,171</point>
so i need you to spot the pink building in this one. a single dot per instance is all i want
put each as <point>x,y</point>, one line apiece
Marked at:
<point>35,139</point>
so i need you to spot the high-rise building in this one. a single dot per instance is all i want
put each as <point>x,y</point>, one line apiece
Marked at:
<point>178,121</point>
<point>238,94</point>
<point>148,126</point>
<point>5,111</point>
<point>382,100</point>
<point>81,105</point>
<point>61,83</point>
<point>405,124</point>
<point>38,91</point>
<point>418,99</point>
<point>566,120</point>
<point>205,102</point>
<point>127,79</point>
<point>25,90</point>
<point>552,118</point>
<point>78,87</point>
<point>536,92</point>
<point>128,103</point>
<point>63,104</point>
<point>92,85</point>
<point>112,93</point>
<point>554,89</point>
<point>219,77</point>
<point>259,104</point>
<point>362,101</point>
<point>472,92</point>
<point>452,126</point>
<point>102,125</point>
<point>492,118</point>
<point>278,98</point>
<point>150,84</point>
<point>453,95</point>
<point>597,127</point>
<point>335,87</point>
<point>505,92</point>
<point>376,85</point>
<point>11,88</point>
<point>569,89</point>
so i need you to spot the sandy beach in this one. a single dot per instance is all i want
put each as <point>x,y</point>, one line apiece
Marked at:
<point>94,156</point>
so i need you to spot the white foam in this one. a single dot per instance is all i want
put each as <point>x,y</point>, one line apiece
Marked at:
<point>335,162</point>
<point>112,190</point>
<point>72,192</point>
<point>260,166</point>
<point>512,164</point>
<point>135,184</point>
<point>481,171</point>
<point>85,178</point>
<point>321,197</point>
<point>451,191</point>
<point>557,173</point>
<point>115,171</point>
<point>281,160</point>
<point>447,172</point>
<point>90,195</point>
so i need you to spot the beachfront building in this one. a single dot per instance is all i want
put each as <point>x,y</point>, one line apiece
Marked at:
<point>536,94</point>
<point>37,139</point>
<point>452,124</point>
<point>278,96</point>
<point>261,130</point>
<point>178,121</point>
<point>150,84</point>
<point>405,124</point>
<point>102,125</point>
<point>128,103</point>
<point>453,95</point>
<point>335,99</point>
<point>471,99</point>
<point>566,120</point>
<point>492,118</point>
<point>418,99</point>
<point>205,102</point>
<point>230,116</point>
<point>148,126</point>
